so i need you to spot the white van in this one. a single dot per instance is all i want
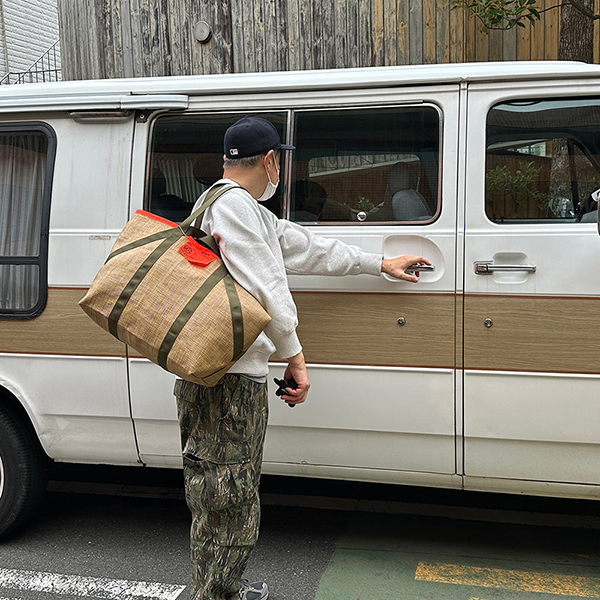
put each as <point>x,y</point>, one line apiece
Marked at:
<point>485,375</point>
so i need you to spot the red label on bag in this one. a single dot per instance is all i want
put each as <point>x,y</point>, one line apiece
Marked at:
<point>196,253</point>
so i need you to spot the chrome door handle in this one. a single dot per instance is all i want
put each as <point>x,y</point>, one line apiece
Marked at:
<point>420,269</point>
<point>486,267</point>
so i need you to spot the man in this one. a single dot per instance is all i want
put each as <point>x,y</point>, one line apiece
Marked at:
<point>223,427</point>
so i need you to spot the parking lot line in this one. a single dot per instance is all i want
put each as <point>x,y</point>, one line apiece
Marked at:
<point>94,587</point>
<point>506,579</point>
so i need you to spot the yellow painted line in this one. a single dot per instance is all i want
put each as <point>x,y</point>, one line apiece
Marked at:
<point>520,581</point>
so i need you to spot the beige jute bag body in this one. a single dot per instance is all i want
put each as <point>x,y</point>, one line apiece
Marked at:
<point>171,298</point>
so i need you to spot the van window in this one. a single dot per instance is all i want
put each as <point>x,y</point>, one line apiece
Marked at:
<point>187,158</point>
<point>368,165</point>
<point>543,161</point>
<point>26,163</point>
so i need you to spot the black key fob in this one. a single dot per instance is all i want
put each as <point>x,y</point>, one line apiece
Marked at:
<point>282,385</point>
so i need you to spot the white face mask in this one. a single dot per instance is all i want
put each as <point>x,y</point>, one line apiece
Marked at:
<point>270,189</point>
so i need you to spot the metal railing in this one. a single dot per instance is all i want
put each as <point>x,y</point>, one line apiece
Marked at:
<point>45,68</point>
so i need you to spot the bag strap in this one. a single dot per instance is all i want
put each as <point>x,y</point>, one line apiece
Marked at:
<point>134,282</point>
<point>196,217</point>
<point>186,313</point>
<point>160,235</point>
<point>213,194</point>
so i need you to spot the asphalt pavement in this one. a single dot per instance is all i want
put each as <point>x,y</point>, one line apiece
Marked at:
<point>333,541</point>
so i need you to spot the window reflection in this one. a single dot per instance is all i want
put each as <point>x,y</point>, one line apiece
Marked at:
<point>187,158</point>
<point>543,161</point>
<point>372,165</point>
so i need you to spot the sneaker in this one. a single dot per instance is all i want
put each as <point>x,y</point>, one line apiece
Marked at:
<point>253,591</point>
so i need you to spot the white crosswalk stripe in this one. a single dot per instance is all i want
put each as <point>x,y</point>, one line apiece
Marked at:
<point>88,587</point>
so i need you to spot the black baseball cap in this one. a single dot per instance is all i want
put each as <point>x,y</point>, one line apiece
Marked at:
<point>251,136</point>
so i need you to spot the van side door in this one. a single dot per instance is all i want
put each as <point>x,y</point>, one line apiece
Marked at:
<point>376,169</point>
<point>532,289</point>
<point>381,176</point>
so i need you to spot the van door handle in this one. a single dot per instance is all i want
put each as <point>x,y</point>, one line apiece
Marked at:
<point>420,269</point>
<point>486,267</point>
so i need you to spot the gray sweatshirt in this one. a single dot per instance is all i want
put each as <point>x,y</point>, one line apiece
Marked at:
<point>259,249</point>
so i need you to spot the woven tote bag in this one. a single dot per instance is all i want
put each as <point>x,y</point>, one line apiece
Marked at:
<point>171,298</point>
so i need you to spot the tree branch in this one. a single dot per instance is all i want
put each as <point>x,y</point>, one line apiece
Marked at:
<point>575,4</point>
<point>513,12</point>
<point>582,9</point>
<point>551,7</point>
<point>489,27</point>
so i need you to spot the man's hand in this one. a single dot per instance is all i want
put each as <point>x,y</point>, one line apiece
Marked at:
<point>297,369</point>
<point>396,267</point>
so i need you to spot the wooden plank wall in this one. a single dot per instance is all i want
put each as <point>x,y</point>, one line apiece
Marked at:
<point>539,42</point>
<point>118,38</point>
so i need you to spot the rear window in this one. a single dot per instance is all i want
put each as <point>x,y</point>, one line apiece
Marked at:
<point>26,164</point>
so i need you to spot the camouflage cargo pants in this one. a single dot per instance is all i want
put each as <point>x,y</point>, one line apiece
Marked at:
<point>222,437</point>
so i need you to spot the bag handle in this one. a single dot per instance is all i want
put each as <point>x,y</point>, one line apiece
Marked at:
<point>212,195</point>
<point>196,217</point>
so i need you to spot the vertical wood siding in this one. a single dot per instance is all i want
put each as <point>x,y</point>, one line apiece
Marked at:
<point>538,42</point>
<point>280,35</point>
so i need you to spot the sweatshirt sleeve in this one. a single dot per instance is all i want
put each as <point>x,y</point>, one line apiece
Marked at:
<point>236,226</point>
<point>305,253</point>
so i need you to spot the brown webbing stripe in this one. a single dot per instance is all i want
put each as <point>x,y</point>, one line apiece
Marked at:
<point>237,318</point>
<point>141,242</point>
<point>134,282</point>
<point>188,310</point>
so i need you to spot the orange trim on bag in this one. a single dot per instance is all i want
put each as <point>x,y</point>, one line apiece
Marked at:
<point>196,253</point>
<point>150,215</point>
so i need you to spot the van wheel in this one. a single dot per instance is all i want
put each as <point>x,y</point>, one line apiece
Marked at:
<point>22,472</point>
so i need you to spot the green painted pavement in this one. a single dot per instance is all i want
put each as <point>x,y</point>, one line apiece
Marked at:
<point>365,575</point>
<point>377,556</point>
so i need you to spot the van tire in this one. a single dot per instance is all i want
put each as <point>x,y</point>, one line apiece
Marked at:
<point>23,475</point>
